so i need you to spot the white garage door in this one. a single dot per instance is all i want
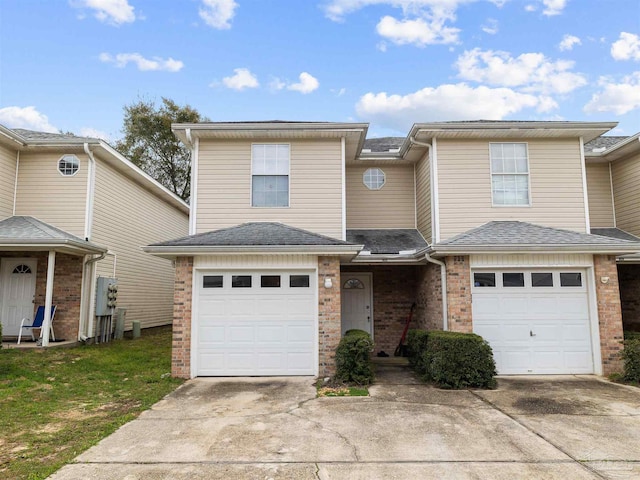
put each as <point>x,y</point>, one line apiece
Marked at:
<point>256,323</point>
<point>536,322</point>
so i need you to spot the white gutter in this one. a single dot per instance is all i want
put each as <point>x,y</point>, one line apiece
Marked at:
<point>15,186</point>
<point>433,172</point>
<point>91,187</point>
<point>584,187</point>
<point>443,282</point>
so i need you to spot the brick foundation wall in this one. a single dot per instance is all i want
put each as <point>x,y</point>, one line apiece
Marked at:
<point>329,317</point>
<point>459,294</point>
<point>394,290</point>
<point>629,278</point>
<point>609,313</point>
<point>67,287</point>
<point>428,313</point>
<point>182,294</point>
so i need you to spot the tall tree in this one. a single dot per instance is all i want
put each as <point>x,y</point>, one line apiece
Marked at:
<point>149,142</point>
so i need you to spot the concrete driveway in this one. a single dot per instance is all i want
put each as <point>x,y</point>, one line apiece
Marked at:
<point>566,428</point>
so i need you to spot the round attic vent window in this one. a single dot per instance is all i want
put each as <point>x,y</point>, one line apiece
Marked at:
<point>68,165</point>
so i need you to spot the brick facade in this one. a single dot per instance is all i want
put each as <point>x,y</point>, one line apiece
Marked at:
<point>609,312</point>
<point>329,317</point>
<point>394,290</point>
<point>459,294</point>
<point>629,277</point>
<point>67,288</point>
<point>428,313</point>
<point>182,294</point>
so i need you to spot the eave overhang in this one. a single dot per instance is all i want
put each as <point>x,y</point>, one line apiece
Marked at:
<point>63,246</point>
<point>171,252</point>
<point>448,250</point>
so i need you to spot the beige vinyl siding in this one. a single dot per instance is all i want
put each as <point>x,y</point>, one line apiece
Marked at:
<point>626,189</point>
<point>393,206</point>
<point>49,196</point>
<point>423,197</point>
<point>556,192</point>
<point>127,217</point>
<point>315,187</point>
<point>7,180</point>
<point>599,190</point>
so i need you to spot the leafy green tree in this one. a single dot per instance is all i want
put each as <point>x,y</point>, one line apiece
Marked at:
<point>150,144</point>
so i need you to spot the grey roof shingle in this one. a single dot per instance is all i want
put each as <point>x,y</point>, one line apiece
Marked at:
<point>615,233</point>
<point>514,233</point>
<point>47,136</point>
<point>254,234</point>
<point>605,141</point>
<point>383,144</point>
<point>391,241</point>
<point>24,229</point>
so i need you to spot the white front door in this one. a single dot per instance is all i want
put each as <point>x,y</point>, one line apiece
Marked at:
<point>357,308</point>
<point>18,285</point>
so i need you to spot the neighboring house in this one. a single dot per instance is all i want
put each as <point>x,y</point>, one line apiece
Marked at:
<point>301,231</point>
<point>613,176</point>
<point>72,209</point>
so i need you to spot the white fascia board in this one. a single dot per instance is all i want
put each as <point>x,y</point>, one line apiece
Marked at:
<point>261,249</point>
<point>441,251</point>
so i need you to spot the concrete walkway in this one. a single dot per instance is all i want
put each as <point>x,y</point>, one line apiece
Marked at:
<point>274,428</point>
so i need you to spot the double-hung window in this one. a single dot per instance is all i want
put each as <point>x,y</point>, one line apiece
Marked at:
<point>270,175</point>
<point>509,174</point>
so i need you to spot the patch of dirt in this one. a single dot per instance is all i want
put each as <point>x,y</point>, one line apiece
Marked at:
<point>540,405</point>
<point>50,428</point>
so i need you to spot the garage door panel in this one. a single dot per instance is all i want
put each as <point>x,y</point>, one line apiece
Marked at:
<point>300,334</point>
<point>269,334</point>
<point>485,304</point>
<point>212,334</point>
<point>572,305</point>
<point>512,305</point>
<point>515,359</point>
<point>513,332</point>
<point>543,305</point>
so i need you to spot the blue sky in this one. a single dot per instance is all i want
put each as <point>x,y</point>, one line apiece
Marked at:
<point>72,65</point>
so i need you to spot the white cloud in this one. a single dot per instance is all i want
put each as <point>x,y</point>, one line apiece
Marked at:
<point>114,12</point>
<point>418,32</point>
<point>121,60</point>
<point>242,78</point>
<point>307,84</point>
<point>553,7</point>
<point>568,42</point>
<point>277,84</point>
<point>491,26</point>
<point>26,117</point>
<point>446,102</point>
<point>94,133</point>
<point>627,47</point>
<point>531,72</point>
<point>530,8</point>
<point>218,13</point>
<point>619,98</point>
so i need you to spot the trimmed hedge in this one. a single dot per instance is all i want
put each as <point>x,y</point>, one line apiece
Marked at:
<point>628,335</point>
<point>451,359</point>
<point>353,364</point>
<point>631,357</point>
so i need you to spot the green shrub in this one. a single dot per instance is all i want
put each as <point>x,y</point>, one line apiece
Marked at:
<point>416,345</point>
<point>631,357</point>
<point>631,335</point>
<point>353,364</point>
<point>459,360</point>
<point>0,335</point>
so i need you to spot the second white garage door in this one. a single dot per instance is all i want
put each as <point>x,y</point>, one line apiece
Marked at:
<point>537,322</point>
<point>255,323</point>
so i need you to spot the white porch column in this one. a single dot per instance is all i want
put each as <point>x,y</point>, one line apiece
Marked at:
<point>51,266</point>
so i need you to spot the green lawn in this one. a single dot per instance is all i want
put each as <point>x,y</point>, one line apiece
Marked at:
<point>57,402</point>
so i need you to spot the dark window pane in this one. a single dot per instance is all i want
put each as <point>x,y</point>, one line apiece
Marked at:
<point>270,281</point>
<point>296,281</point>
<point>484,279</point>
<point>212,281</point>
<point>513,279</point>
<point>542,280</point>
<point>570,279</point>
<point>241,281</point>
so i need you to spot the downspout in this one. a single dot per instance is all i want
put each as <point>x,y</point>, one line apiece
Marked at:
<point>15,185</point>
<point>87,326</point>
<point>86,298</point>
<point>193,190</point>
<point>443,281</point>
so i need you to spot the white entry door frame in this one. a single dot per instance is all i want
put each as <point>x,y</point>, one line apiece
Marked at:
<point>357,301</point>
<point>18,288</point>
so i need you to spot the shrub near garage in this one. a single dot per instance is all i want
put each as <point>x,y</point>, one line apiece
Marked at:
<point>353,364</point>
<point>631,357</point>
<point>416,345</point>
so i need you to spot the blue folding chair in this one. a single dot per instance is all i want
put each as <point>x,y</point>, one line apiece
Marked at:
<point>37,323</point>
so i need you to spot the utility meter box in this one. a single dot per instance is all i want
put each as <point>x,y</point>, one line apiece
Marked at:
<point>106,296</point>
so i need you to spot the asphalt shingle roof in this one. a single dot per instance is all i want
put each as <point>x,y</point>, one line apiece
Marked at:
<point>615,233</point>
<point>383,144</point>
<point>602,142</point>
<point>391,241</point>
<point>47,136</point>
<point>514,233</point>
<point>254,234</point>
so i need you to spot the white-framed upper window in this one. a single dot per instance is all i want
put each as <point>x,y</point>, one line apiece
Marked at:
<point>374,178</point>
<point>270,175</point>
<point>509,174</point>
<point>68,165</point>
